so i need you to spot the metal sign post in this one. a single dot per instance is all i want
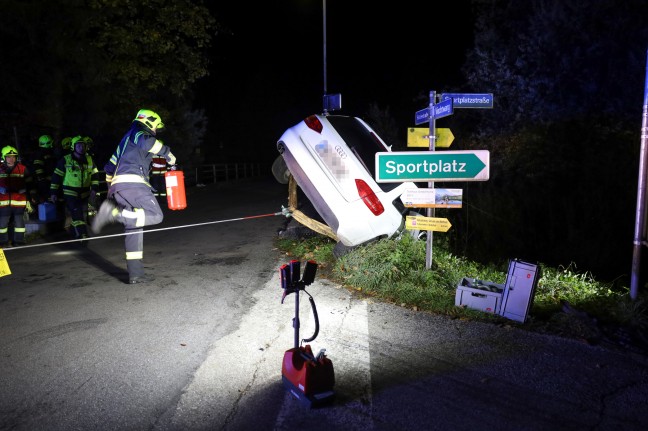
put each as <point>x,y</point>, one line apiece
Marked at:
<point>430,212</point>
<point>640,223</point>
<point>441,170</point>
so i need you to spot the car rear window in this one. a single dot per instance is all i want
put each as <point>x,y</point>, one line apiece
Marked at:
<point>362,143</point>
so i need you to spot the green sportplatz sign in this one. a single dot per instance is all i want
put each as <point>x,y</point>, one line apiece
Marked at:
<point>392,167</point>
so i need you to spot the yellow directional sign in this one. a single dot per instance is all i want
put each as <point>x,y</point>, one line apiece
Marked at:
<point>420,137</point>
<point>427,223</point>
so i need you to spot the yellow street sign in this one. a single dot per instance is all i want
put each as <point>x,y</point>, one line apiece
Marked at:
<point>420,137</point>
<point>427,223</point>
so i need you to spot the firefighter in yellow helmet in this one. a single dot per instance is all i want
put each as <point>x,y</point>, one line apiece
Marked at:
<point>66,145</point>
<point>77,175</point>
<point>16,186</point>
<point>44,164</point>
<point>130,199</point>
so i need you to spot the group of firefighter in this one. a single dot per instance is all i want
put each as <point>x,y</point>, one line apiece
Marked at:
<point>67,174</point>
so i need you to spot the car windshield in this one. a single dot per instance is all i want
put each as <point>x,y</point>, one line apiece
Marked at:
<point>362,143</point>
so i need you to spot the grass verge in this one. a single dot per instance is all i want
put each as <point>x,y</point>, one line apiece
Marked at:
<point>565,303</point>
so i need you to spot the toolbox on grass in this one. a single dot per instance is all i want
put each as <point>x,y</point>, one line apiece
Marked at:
<point>479,295</point>
<point>521,282</point>
<point>512,300</point>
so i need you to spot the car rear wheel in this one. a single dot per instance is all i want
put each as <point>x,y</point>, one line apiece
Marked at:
<point>280,170</point>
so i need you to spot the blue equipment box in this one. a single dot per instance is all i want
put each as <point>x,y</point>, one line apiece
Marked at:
<point>47,212</point>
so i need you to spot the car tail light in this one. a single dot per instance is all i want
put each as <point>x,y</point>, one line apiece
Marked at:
<point>369,197</point>
<point>314,123</point>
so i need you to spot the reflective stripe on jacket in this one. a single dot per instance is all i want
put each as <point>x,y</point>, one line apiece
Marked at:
<point>44,164</point>
<point>158,165</point>
<point>15,181</point>
<point>76,176</point>
<point>130,162</point>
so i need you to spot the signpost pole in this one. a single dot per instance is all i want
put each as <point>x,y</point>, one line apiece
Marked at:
<point>462,168</point>
<point>640,217</point>
<point>431,211</point>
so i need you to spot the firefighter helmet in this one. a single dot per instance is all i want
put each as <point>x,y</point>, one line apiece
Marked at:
<point>66,143</point>
<point>9,151</point>
<point>45,141</point>
<point>78,140</point>
<point>150,119</point>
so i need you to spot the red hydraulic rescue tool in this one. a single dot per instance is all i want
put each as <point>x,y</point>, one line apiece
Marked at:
<point>310,378</point>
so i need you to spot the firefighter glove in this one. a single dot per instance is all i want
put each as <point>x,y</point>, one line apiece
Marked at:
<point>170,158</point>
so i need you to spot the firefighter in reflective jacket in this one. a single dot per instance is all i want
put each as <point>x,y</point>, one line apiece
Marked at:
<point>130,200</point>
<point>158,169</point>
<point>15,184</point>
<point>77,174</point>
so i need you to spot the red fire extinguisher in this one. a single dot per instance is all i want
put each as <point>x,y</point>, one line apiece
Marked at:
<point>175,190</point>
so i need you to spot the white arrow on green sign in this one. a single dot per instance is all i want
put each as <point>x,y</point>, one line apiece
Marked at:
<point>392,167</point>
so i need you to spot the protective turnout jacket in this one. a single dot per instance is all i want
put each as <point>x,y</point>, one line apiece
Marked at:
<point>77,176</point>
<point>129,165</point>
<point>16,181</point>
<point>158,165</point>
<point>44,164</point>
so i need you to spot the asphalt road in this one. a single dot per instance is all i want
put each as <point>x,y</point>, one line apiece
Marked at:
<point>201,348</point>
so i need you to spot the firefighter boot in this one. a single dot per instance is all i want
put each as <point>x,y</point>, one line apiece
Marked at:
<point>136,272</point>
<point>108,213</point>
<point>81,233</point>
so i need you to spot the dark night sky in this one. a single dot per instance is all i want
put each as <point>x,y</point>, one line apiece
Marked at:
<point>268,75</point>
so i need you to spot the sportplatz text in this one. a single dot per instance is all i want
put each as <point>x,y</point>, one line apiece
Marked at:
<point>392,167</point>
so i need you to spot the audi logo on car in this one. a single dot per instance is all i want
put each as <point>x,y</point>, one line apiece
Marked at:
<point>341,152</point>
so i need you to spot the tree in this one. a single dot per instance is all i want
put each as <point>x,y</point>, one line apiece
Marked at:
<point>149,45</point>
<point>86,67</point>
<point>567,78</point>
<point>548,60</point>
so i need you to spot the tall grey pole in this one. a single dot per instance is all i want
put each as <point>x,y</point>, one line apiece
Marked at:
<point>640,228</point>
<point>430,211</point>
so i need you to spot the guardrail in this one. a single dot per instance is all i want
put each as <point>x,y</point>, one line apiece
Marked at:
<point>213,173</point>
<point>204,174</point>
<point>218,172</point>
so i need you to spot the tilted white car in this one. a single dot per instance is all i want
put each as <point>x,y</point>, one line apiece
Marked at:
<point>332,158</point>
